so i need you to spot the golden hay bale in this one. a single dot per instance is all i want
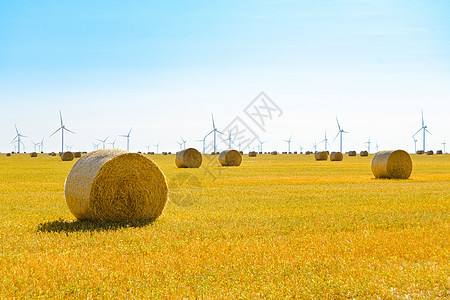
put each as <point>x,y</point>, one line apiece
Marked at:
<point>364,153</point>
<point>392,164</point>
<point>52,154</point>
<point>252,154</point>
<point>164,153</point>
<point>430,152</point>
<point>188,158</point>
<point>8,154</point>
<point>336,156</point>
<point>274,152</point>
<point>351,153</point>
<point>33,154</point>
<point>67,156</point>
<point>322,155</point>
<point>420,152</point>
<point>439,152</point>
<point>115,185</point>
<point>230,158</point>
<point>77,154</point>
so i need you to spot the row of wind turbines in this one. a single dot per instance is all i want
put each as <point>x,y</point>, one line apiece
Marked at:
<point>229,139</point>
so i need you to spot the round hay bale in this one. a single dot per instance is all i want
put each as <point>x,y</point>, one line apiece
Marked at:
<point>164,153</point>
<point>33,154</point>
<point>67,156</point>
<point>364,153</point>
<point>252,154</point>
<point>336,156</point>
<point>430,152</point>
<point>188,158</point>
<point>77,154</point>
<point>274,153</point>
<point>53,154</point>
<point>322,155</point>
<point>420,152</point>
<point>351,153</point>
<point>115,185</point>
<point>392,164</point>
<point>439,152</point>
<point>230,158</point>
<point>8,154</point>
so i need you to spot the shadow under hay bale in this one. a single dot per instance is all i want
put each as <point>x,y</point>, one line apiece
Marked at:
<point>392,164</point>
<point>230,158</point>
<point>67,156</point>
<point>89,225</point>
<point>322,155</point>
<point>188,158</point>
<point>115,185</point>
<point>336,156</point>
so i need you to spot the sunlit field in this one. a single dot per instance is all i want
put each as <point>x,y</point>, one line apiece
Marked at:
<point>280,226</point>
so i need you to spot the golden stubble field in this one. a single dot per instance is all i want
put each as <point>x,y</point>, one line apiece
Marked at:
<point>280,226</point>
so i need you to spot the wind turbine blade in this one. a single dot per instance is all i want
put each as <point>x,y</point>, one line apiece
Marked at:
<point>68,130</point>
<point>214,125</point>
<point>209,133</point>
<point>336,136</point>
<point>422,119</point>
<point>122,135</point>
<point>417,132</point>
<point>427,131</point>
<point>339,126</point>
<point>60,117</point>
<point>55,132</point>
<point>17,131</point>
<point>220,132</point>
<point>345,131</point>
<point>129,132</point>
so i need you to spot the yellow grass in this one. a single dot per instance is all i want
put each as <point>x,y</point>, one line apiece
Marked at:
<point>279,226</point>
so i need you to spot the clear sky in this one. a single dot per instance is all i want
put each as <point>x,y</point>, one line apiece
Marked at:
<point>162,68</point>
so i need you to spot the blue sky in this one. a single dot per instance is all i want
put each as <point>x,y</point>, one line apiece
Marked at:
<point>163,67</point>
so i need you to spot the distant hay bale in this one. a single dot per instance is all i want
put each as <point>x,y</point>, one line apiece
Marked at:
<point>439,152</point>
<point>284,152</point>
<point>241,152</point>
<point>420,152</point>
<point>169,152</point>
<point>188,158</point>
<point>230,158</point>
<point>274,152</point>
<point>53,154</point>
<point>67,156</point>
<point>336,156</point>
<point>430,152</point>
<point>295,152</point>
<point>8,154</point>
<point>33,154</point>
<point>115,185</point>
<point>77,154</point>
<point>351,153</point>
<point>151,153</point>
<point>392,164</point>
<point>364,153</point>
<point>60,153</point>
<point>164,153</point>
<point>322,155</point>
<point>252,154</point>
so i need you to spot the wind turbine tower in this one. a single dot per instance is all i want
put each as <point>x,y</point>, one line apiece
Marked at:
<point>128,139</point>
<point>103,141</point>
<point>19,137</point>
<point>368,145</point>
<point>415,144</point>
<point>289,144</point>
<point>340,132</point>
<point>62,128</point>
<point>261,144</point>
<point>215,131</point>
<point>325,141</point>
<point>444,143</point>
<point>424,129</point>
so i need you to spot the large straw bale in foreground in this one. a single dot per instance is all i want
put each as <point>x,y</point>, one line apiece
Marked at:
<point>336,156</point>
<point>67,156</point>
<point>322,155</point>
<point>188,158</point>
<point>392,164</point>
<point>230,158</point>
<point>115,185</point>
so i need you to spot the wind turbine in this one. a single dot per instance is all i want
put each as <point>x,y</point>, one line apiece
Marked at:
<point>181,145</point>
<point>128,139</point>
<point>113,143</point>
<point>415,143</point>
<point>340,132</point>
<point>376,145</point>
<point>215,131</point>
<point>301,148</point>
<point>18,137</point>
<point>35,144</point>
<point>62,128</point>
<point>424,129</point>
<point>68,148</point>
<point>444,143</point>
<point>229,139</point>
<point>103,141</point>
<point>261,145</point>
<point>157,147</point>
<point>325,140</point>
<point>289,144</point>
<point>368,145</point>
<point>315,146</point>
<point>183,142</point>
<point>148,148</point>
<point>41,146</point>
<point>95,146</point>
<point>203,142</point>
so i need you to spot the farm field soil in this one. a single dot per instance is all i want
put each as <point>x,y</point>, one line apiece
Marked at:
<point>281,226</point>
